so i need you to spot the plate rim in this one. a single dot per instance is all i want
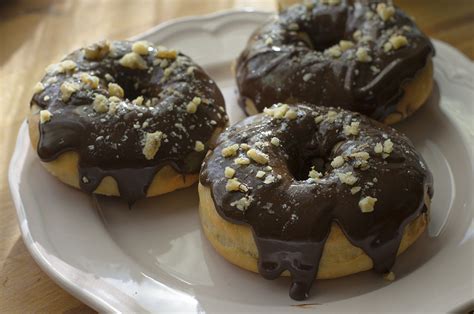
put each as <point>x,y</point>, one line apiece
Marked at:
<point>22,145</point>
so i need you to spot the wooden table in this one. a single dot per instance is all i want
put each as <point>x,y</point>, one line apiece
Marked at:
<point>36,33</point>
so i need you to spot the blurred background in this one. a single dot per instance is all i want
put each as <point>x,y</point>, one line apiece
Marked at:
<point>34,33</point>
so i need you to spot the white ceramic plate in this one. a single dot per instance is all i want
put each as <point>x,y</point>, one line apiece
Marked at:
<point>155,258</point>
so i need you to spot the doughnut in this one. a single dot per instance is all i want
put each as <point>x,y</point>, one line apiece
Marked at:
<point>313,192</point>
<point>125,119</point>
<point>363,56</point>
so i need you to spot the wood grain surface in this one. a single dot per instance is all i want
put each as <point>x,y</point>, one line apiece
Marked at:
<point>35,33</point>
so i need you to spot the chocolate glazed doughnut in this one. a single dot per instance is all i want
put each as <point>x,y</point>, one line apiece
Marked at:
<point>125,118</point>
<point>364,56</point>
<point>313,192</point>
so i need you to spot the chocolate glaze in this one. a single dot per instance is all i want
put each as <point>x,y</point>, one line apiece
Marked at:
<point>111,143</point>
<point>292,216</point>
<point>272,72</point>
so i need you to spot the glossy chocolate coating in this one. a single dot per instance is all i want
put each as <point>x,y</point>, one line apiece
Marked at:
<point>111,143</point>
<point>291,215</point>
<point>285,59</point>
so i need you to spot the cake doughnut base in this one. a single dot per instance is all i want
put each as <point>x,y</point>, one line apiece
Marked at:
<point>340,258</point>
<point>65,168</point>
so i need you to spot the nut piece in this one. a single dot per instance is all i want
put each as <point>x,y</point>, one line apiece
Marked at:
<point>268,41</point>
<point>152,144</point>
<point>67,89</point>
<point>243,203</point>
<point>355,190</point>
<point>245,146</point>
<point>116,90</point>
<point>313,174</point>
<point>334,51</point>
<point>235,185</point>
<point>257,156</point>
<point>378,148</point>
<point>230,151</point>
<point>141,47</point>
<point>367,204</point>
<point>352,129</point>
<point>242,161</point>
<point>390,276</point>
<point>67,66</point>
<point>91,80</point>
<point>39,87</point>
<point>166,54</point>
<point>192,106</point>
<point>388,146</point>
<point>138,101</point>
<point>291,114</point>
<point>337,162</point>
<point>361,155</point>
<point>97,51</point>
<point>362,55</point>
<point>347,178</point>
<point>275,141</point>
<point>45,116</point>
<point>133,60</point>
<point>199,146</point>
<point>100,104</point>
<point>260,174</point>
<point>398,41</point>
<point>345,45</point>
<point>278,112</point>
<point>229,172</point>
<point>385,12</point>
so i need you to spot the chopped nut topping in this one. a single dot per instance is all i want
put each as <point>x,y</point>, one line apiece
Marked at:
<point>67,66</point>
<point>39,87</point>
<point>199,146</point>
<point>235,185</point>
<point>361,155</point>
<point>385,12</point>
<point>97,51</point>
<point>260,174</point>
<point>334,51</point>
<point>278,112</point>
<point>337,162</point>
<point>355,190</point>
<point>152,144</point>
<point>331,116</point>
<point>138,101</point>
<point>309,4</point>
<point>91,80</point>
<point>269,179</point>
<point>109,77</point>
<point>357,35</point>
<point>85,180</point>
<point>388,146</point>
<point>192,106</point>
<point>100,104</point>
<point>166,54</point>
<point>275,141</point>
<point>313,174</point>
<point>242,161</point>
<point>362,55</point>
<point>367,204</point>
<point>398,41</point>
<point>318,119</point>
<point>345,45</point>
<point>269,41</point>
<point>387,47</point>
<point>133,60</point>
<point>141,47</point>
<point>229,172</point>
<point>347,178</point>
<point>378,149</point>
<point>352,129</point>
<point>116,90</point>
<point>46,98</point>
<point>390,276</point>
<point>230,151</point>
<point>243,203</point>
<point>307,77</point>
<point>257,156</point>
<point>245,146</point>
<point>67,89</point>
<point>291,114</point>
<point>45,116</point>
